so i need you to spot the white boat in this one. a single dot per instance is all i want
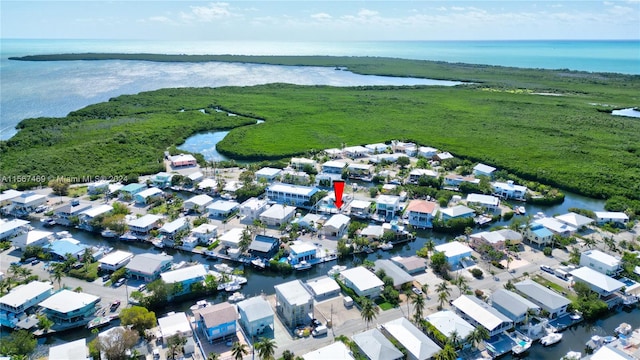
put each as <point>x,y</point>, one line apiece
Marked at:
<point>63,234</point>
<point>573,355</point>
<point>232,286</point>
<point>158,243</point>
<point>523,343</point>
<point>223,268</point>
<point>595,342</point>
<point>108,233</point>
<point>623,329</point>
<point>336,269</point>
<point>303,265</point>
<point>258,263</point>
<point>575,316</point>
<point>551,339</point>
<point>386,246</point>
<point>236,297</point>
<point>521,210</point>
<point>128,237</point>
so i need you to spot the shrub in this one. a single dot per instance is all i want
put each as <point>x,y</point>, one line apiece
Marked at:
<point>546,251</point>
<point>477,273</point>
<point>479,293</point>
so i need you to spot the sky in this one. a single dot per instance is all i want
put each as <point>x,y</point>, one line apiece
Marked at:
<point>333,20</point>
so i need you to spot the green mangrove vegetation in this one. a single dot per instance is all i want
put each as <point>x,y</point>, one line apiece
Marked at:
<point>507,118</point>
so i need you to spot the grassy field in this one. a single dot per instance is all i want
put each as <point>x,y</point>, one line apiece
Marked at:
<point>571,141</point>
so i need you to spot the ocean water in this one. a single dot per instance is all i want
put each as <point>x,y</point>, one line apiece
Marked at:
<point>53,89</point>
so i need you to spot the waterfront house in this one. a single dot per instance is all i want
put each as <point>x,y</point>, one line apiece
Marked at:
<point>420,213</point>
<point>231,239</point>
<point>208,185</point>
<point>301,251</point>
<point>408,148</point>
<point>375,346</point>
<point>72,350</point>
<point>26,202</point>
<point>277,215</point>
<point>377,148</point>
<point>291,176</point>
<point>268,174</point>
<point>310,221</point>
<point>385,158</point>
<point>360,208</point>
<point>337,350</point>
<point>256,315</point>
<point>182,279</point>
<point>130,190</point>
<point>161,180</point>
<point>7,196</point>
<point>205,233</point>
<point>217,321</point>
<point>548,300</point>
<point>143,225</point>
<point>222,209</point>
<point>87,216</point>
<point>603,217</point>
<point>333,153</point>
<point>356,151</point>
<point>598,282</point>
<point>326,180</point>
<point>373,232</point>
<point>148,267</point>
<point>264,246</point>
<point>336,227</point>
<point>416,174</point>
<point>509,190</point>
<point>287,194</point>
<point>576,220</point>
<point>479,313</point>
<point>455,180</point>
<point>555,226</point>
<point>60,249</point>
<point>483,170</point>
<point>16,305</point>
<point>496,239</point>
<point>195,177</point>
<point>323,288</point>
<point>171,229</point>
<point>115,188</point>
<point>399,276</point>
<point>427,152</point>
<point>198,203</point>
<point>32,238</point>
<point>115,260</point>
<point>418,345</point>
<point>252,208</point>
<point>457,212</point>
<point>300,163</point>
<point>333,167</point>
<point>183,160</point>
<point>454,251</point>
<point>601,262</point>
<point>70,309</point>
<point>539,235</point>
<point>11,228</point>
<point>174,323</point>
<point>360,171</point>
<point>147,195</point>
<point>448,323</point>
<point>362,281</point>
<point>294,304</point>
<point>443,156</point>
<point>387,205</point>
<point>69,214</point>
<point>412,264</point>
<point>512,305</point>
<point>489,202</point>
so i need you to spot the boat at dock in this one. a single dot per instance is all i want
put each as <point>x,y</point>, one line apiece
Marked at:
<point>523,344</point>
<point>48,222</point>
<point>63,235</point>
<point>258,264</point>
<point>236,297</point>
<point>303,265</point>
<point>385,246</point>
<point>128,237</point>
<point>99,322</point>
<point>521,210</point>
<point>550,339</point>
<point>336,269</point>
<point>223,268</point>
<point>573,355</point>
<point>623,329</point>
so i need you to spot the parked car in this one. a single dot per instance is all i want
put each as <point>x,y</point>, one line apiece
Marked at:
<point>416,291</point>
<point>35,262</point>
<point>120,282</point>
<point>546,268</point>
<point>115,305</point>
<point>106,277</point>
<point>319,331</point>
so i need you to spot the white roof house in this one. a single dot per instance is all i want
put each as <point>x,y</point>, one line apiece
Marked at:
<point>183,160</point>
<point>355,151</point>
<point>66,301</point>
<point>427,151</point>
<point>399,276</point>
<point>176,323</point>
<point>360,205</point>
<point>419,345</point>
<point>484,170</point>
<point>115,260</point>
<point>454,250</point>
<point>379,147</point>
<point>183,274</point>
<point>547,299</point>
<point>174,226</point>
<point>336,225</point>
<point>205,231</point>
<point>600,261</point>
<point>575,220</point>
<point>333,166</point>
<point>598,282</point>
<point>376,346</point>
<point>268,173</point>
<point>222,208</point>
<point>556,226</point>
<point>73,350</point>
<point>9,195</point>
<point>609,352</point>
<point>294,292</point>
<point>456,211</point>
<point>300,163</point>
<point>232,237</point>
<point>323,287</point>
<point>337,350</point>
<point>253,207</point>
<point>147,193</point>
<point>208,183</point>
<point>447,322</point>
<point>512,305</point>
<point>362,281</point>
<point>488,201</point>
<point>12,227</point>
<point>96,211</point>
<point>277,214</point>
<point>480,313</point>
<point>609,216</point>
<point>372,231</point>
<point>198,202</point>
<point>24,296</point>
<point>28,199</point>
<point>144,222</point>
<point>333,153</point>
<point>32,238</point>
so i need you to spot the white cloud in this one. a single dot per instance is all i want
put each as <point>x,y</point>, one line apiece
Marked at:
<point>213,11</point>
<point>321,16</point>
<point>367,13</point>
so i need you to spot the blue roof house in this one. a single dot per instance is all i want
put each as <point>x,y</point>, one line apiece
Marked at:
<point>61,248</point>
<point>131,190</point>
<point>256,315</point>
<point>539,235</point>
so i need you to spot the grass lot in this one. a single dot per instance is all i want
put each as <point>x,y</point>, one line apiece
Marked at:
<point>564,141</point>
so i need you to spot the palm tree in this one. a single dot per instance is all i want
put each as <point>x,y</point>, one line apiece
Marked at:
<point>288,355</point>
<point>454,339</point>
<point>447,353</point>
<point>430,245</point>
<point>467,232</point>
<point>425,289</point>
<point>58,274</point>
<point>174,343</point>
<point>478,334</point>
<point>461,283</point>
<point>442,298</point>
<point>266,348</point>
<point>418,306</point>
<point>369,311</point>
<point>443,287</point>
<point>589,242</point>
<point>239,350</point>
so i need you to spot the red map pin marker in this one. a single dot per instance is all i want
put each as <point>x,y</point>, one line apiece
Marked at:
<point>338,189</point>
